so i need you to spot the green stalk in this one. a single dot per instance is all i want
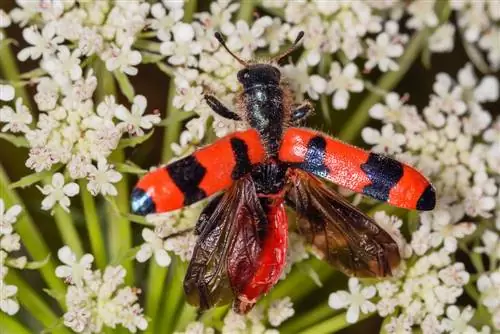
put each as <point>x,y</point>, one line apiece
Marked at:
<point>119,229</point>
<point>10,325</point>
<point>187,315</point>
<point>33,303</point>
<point>157,274</point>
<point>246,10</point>
<point>156,279</point>
<point>93,226</point>
<point>68,231</point>
<point>334,324</point>
<point>8,66</point>
<point>31,236</point>
<point>174,295</point>
<point>309,318</point>
<point>387,82</point>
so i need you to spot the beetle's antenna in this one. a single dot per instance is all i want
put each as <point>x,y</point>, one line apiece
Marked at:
<point>223,43</point>
<point>291,49</point>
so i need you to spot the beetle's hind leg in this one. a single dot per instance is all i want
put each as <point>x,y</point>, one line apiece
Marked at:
<point>301,112</point>
<point>220,109</point>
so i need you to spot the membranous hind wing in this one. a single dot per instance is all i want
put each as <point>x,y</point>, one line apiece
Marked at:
<point>226,255</point>
<point>344,236</point>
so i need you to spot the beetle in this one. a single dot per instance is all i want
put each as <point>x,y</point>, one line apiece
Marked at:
<point>243,231</point>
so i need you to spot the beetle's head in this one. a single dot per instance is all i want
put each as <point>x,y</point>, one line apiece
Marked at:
<point>254,74</point>
<point>258,74</point>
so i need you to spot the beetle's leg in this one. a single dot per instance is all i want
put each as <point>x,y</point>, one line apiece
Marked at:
<point>220,109</point>
<point>301,112</point>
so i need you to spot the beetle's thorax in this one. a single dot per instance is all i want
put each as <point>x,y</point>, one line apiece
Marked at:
<point>263,103</point>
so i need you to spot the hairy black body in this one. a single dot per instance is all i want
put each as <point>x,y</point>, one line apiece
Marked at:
<point>266,109</point>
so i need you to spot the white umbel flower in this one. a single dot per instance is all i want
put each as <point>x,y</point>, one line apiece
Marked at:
<point>358,298</point>
<point>18,120</point>
<point>342,82</point>
<point>8,217</point>
<point>101,178</point>
<point>44,44</point>
<point>7,92</point>
<point>184,48</point>
<point>122,58</point>
<point>386,141</point>
<point>154,245</point>
<point>134,121</point>
<point>279,311</point>
<point>58,192</point>
<point>73,271</point>
<point>456,321</point>
<point>8,303</point>
<point>381,53</point>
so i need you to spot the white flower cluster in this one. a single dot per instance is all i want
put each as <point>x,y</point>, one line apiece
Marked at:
<point>479,21</point>
<point>71,130</point>
<point>96,27</point>
<point>253,322</point>
<point>173,232</point>
<point>454,143</point>
<point>95,300</point>
<point>9,242</point>
<point>424,290</point>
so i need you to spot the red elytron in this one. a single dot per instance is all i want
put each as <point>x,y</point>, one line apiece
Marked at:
<point>241,248</point>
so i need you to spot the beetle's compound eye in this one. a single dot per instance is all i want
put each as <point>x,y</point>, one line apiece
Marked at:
<point>243,75</point>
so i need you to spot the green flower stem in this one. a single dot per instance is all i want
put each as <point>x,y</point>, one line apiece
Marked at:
<point>10,325</point>
<point>309,318</point>
<point>188,314</point>
<point>334,324</point>
<point>10,71</point>
<point>172,132</point>
<point>31,236</point>
<point>246,10</point>
<point>387,82</point>
<point>119,229</point>
<point>157,274</point>
<point>93,226</point>
<point>173,296</point>
<point>33,303</point>
<point>68,231</point>
<point>156,279</point>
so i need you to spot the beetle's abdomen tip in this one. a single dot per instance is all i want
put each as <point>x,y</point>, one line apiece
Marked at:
<point>427,200</point>
<point>141,203</point>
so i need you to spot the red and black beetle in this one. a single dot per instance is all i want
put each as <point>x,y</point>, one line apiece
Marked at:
<point>242,232</point>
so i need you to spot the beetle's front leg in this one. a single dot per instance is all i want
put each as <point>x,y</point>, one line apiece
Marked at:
<point>301,112</point>
<point>220,109</point>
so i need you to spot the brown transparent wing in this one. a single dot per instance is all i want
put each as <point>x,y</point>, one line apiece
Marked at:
<point>344,236</point>
<point>226,253</point>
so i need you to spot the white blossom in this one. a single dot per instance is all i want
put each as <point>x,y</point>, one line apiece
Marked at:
<point>43,44</point>
<point>73,271</point>
<point>342,82</point>
<point>8,302</point>
<point>442,40</point>
<point>279,311</point>
<point>8,217</point>
<point>58,192</point>
<point>122,58</point>
<point>135,120</point>
<point>184,48</point>
<point>101,178</point>
<point>456,321</point>
<point>18,120</point>
<point>358,298</point>
<point>386,141</point>
<point>7,92</point>
<point>381,53</point>
<point>153,245</point>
